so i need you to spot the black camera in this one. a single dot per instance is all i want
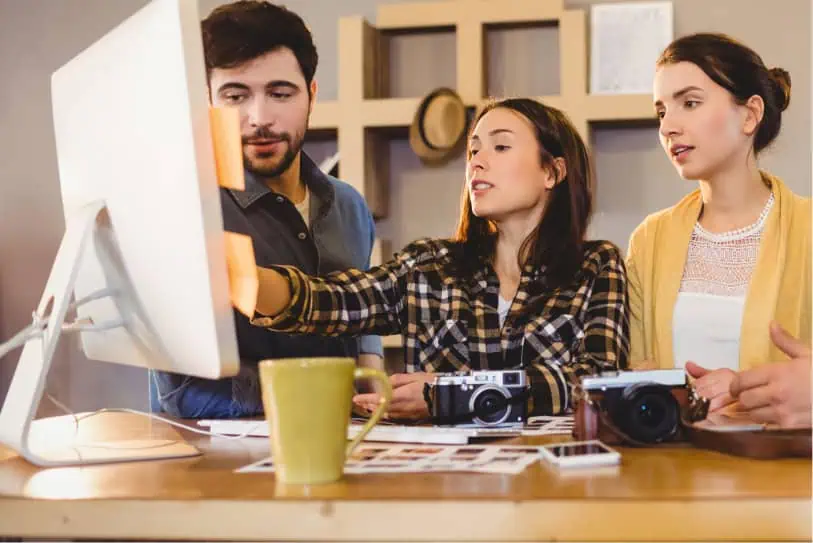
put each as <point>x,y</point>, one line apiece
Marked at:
<point>480,398</point>
<point>632,406</point>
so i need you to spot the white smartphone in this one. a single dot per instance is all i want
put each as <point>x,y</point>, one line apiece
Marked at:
<point>581,454</point>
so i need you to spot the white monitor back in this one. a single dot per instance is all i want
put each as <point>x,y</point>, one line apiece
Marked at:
<point>132,129</point>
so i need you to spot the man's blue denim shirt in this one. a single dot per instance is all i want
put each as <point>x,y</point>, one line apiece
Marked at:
<point>340,236</point>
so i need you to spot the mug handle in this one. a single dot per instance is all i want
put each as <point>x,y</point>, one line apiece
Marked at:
<point>386,396</point>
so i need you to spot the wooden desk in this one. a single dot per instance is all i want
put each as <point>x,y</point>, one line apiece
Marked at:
<point>665,494</point>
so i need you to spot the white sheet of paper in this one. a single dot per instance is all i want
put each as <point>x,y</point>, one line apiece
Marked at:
<point>626,40</point>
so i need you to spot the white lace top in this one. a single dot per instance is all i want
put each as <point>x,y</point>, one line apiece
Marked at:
<point>708,313</point>
<point>722,264</point>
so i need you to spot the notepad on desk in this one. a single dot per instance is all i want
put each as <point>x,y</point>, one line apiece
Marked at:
<point>395,433</point>
<point>437,435</point>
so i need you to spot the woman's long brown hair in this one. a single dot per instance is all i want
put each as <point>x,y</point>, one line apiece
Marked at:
<point>556,246</point>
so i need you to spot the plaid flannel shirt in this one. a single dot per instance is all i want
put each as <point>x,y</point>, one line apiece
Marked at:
<point>452,325</point>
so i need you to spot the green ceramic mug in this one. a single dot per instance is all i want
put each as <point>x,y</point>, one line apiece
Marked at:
<point>308,405</point>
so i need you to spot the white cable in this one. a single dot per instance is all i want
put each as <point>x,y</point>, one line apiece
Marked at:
<point>33,331</point>
<point>39,323</point>
<point>101,293</point>
<point>77,419</point>
<point>245,434</point>
<point>86,325</point>
<point>20,338</point>
<point>37,328</point>
<point>67,412</point>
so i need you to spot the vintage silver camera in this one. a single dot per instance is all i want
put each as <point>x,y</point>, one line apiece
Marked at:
<point>480,398</point>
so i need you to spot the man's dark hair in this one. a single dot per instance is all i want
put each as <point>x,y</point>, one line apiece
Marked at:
<point>236,33</point>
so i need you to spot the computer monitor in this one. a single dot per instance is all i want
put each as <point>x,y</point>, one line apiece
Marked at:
<point>144,233</point>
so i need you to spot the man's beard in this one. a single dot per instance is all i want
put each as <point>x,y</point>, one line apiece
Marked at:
<point>294,145</point>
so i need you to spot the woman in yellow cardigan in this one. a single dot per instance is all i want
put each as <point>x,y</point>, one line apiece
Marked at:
<point>709,275</point>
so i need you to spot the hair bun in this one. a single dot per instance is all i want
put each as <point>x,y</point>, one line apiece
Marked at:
<point>781,83</point>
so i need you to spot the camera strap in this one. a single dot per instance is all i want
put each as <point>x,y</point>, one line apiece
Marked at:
<point>764,443</point>
<point>753,443</point>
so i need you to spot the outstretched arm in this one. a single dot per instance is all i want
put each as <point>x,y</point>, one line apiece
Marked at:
<point>349,302</point>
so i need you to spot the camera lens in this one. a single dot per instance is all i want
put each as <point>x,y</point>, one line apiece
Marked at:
<point>489,406</point>
<point>648,413</point>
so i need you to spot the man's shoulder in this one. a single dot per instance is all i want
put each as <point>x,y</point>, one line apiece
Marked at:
<point>346,194</point>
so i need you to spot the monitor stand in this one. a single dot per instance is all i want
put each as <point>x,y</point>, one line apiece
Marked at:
<point>28,383</point>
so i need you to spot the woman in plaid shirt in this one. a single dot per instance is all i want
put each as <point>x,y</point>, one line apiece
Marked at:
<point>518,287</point>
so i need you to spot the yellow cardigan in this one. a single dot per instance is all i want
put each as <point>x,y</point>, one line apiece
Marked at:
<point>779,287</point>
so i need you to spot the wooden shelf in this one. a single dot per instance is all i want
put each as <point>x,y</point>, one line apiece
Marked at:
<point>375,113</point>
<point>361,110</point>
<point>325,116</point>
<point>382,252</point>
<point>630,107</point>
<point>425,15</point>
<point>389,112</point>
<point>415,16</point>
<point>398,112</point>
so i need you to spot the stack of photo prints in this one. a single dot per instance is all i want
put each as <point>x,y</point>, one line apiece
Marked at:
<point>405,458</point>
<point>388,458</point>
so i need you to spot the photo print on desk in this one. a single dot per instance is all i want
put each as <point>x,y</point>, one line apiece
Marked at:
<point>548,426</point>
<point>504,459</point>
